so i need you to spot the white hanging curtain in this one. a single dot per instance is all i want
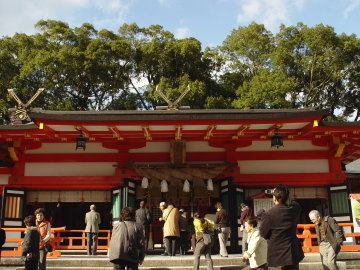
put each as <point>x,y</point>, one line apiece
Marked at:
<point>164,186</point>
<point>210,185</point>
<point>186,187</point>
<point>145,182</point>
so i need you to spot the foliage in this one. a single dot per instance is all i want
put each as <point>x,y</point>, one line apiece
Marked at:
<point>82,68</point>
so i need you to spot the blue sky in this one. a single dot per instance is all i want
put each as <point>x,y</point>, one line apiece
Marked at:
<point>209,21</point>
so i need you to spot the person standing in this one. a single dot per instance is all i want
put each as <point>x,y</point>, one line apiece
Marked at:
<point>256,252</point>
<point>222,223</point>
<point>143,217</point>
<point>2,239</point>
<point>184,232</point>
<point>44,229</point>
<point>127,244</point>
<point>92,221</point>
<point>246,212</point>
<point>30,245</point>
<point>171,228</point>
<point>200,225</point>
<point>279,228</point>
<point>330,238</point>
<point>162,207</point>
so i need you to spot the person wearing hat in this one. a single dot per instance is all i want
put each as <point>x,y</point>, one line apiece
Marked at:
<point>184,232</point>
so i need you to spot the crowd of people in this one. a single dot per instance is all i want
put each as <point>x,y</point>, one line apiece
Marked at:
<point>269,237</point>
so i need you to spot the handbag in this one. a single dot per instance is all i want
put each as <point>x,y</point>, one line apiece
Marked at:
<point>208,235</point>
<point>48,248</point>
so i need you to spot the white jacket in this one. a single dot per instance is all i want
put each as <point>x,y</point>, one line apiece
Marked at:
<point>257,249</point>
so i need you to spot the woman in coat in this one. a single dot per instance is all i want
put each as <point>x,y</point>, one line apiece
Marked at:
<point>171,217</point>
<point>200,225</point>
<point>256,252</point>
<point>30,245</point>
<point>127,244</point>
<point>45,234</point>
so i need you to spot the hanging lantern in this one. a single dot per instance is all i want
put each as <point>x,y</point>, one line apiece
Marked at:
<point>186,187</point>
<point>164,186</point>
<point>145,182</point>
<point>277,140</point>
<point>210,185</point>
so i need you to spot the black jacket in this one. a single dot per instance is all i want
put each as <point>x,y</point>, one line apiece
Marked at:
<point>279,228</point>
<point>31,243</point>
<point>333,233</point>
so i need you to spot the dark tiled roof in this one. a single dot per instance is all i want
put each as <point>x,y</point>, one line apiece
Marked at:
<point>174,114</point>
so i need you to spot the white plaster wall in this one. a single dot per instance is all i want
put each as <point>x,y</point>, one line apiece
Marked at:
<point>288,146</point>
<point>70,148</point>
<point>4,179</point>
<point>202,147</point>
<point>283,166</point>
<point>70,169</point>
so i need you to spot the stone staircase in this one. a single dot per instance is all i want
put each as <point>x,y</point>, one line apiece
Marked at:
<point>347,260</point>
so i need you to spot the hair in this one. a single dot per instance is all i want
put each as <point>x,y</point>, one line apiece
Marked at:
<point>242,205</point>
<point>162,204</point>
<point>281,193</point>
<point>40,210</point>
<point>92,207</point>
<point>218,205</point>
<point>314,213</point>
<point>128,213</point>
<point>251,221</point>
<point>29,221</point>
<point>196,215</point>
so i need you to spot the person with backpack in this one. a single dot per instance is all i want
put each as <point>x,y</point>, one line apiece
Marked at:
<point>204,232</point>
<point>330,238</point>
<point>127,243</point>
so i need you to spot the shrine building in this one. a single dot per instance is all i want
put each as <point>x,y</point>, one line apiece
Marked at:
<point>66,160</point>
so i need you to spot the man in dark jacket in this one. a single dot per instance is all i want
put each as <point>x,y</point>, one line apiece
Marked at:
<point>127,244</point>
<point>143,217</point>
<point>279,228</point>
<point>330,238</point>
<point>246,212</point>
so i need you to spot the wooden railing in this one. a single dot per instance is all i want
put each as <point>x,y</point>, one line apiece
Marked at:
<point>16,252</point>
<point>309,239</point>
<point>75,240</point>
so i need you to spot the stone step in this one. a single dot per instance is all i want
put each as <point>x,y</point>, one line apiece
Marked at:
<point>233,262</point>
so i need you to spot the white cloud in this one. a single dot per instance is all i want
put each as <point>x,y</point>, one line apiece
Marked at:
<point>353,5</point>
<point>21,16</point>
<point>182,32</point>
<point>271,13</point>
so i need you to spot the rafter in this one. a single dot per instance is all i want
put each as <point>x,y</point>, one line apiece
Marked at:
<point>241,131</point>
<point>147,133</point>
<point>116,133</point>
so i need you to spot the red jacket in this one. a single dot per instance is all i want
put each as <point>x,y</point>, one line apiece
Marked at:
<point>44,230</point>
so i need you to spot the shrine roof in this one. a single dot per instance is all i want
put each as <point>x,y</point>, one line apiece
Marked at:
<point>230,114</point>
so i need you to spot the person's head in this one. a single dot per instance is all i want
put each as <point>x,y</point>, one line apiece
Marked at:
<point>182,211</point>
<point>242,206</point>
<point>29,221</point>
<point>162,206</point>
<point>280,194</point>
<point>260,213</point>
<point>315,217</point>
<point>128,213</point>
<point>250,224</point>
<point>196,215</point>
<point>142,204</point>
<point>218,205</point>
<point>40,214</point>
<point>93,207</point>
